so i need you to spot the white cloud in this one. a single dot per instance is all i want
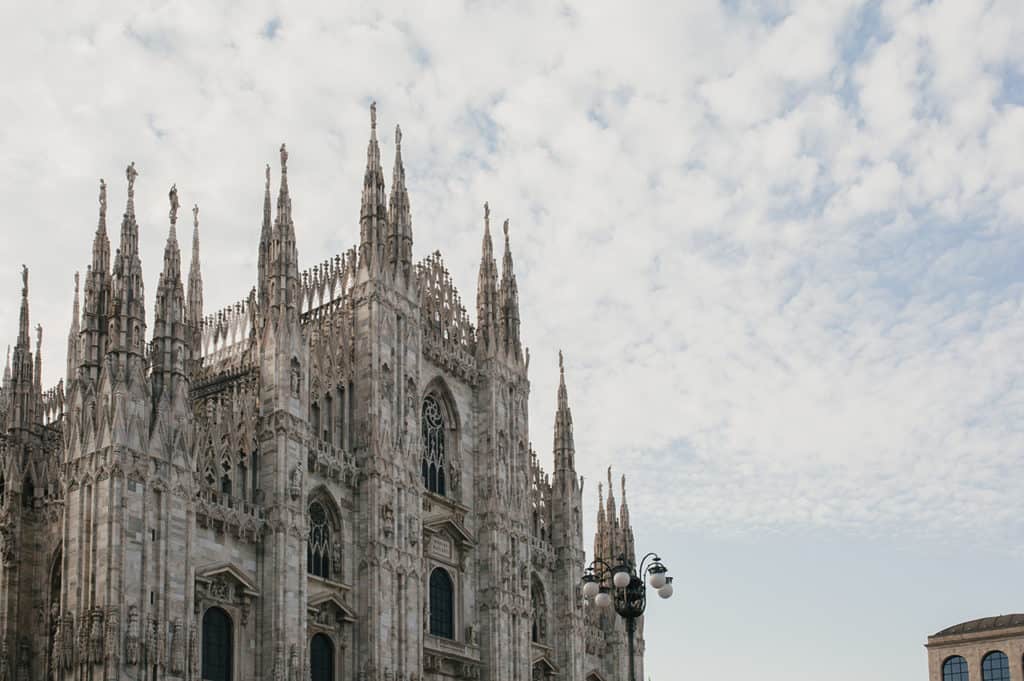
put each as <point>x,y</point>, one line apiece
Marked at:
<point>785,283</point>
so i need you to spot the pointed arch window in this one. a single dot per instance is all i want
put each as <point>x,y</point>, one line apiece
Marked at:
<point>433,462</point>
<point>539,628</point>
<point>318,548</point>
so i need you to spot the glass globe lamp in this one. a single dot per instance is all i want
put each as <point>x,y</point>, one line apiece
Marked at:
<point>603,599</point>
<point>657,578</point>
<point>591,588</point>
<point>665,591</point>
<point>621,579</point>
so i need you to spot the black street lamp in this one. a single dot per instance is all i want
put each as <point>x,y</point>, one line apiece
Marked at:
<point>627,591</point>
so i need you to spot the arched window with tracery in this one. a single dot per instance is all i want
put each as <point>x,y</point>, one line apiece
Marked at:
<point>318,547</point>
<point>955,669</point>
<point>433,462</point>
<point>442,604</point>
<point>995,667</point>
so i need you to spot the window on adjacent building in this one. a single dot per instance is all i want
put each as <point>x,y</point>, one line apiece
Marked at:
<point>217,645</point>
<point>955,669</point>
<point>442,604</point>
<point>433,462</point>
<point>318,548</point>
<point>995,667</point>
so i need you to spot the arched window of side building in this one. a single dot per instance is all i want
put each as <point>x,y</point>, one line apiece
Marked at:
<point>995,667</point>
<point>442,604</point>
<point>217,646</point>
<point>954,669</point>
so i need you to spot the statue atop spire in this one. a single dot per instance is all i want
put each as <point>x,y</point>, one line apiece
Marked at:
<point>131,173</point>
<point>195,216</point>
<point>284,162</point>
<point>267,186</point>
<point>398,136</point>
<point>103,202</point>
<point>373,118</point>
<point>173,197</point>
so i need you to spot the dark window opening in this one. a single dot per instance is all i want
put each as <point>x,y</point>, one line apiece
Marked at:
<point>321,659</point>
<point>442,604</point>
<point>217,646</point>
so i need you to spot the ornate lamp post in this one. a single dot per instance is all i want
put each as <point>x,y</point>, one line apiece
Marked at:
<point>627,592</point>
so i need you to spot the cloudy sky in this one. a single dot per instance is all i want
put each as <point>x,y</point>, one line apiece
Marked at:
<point>780,243</point>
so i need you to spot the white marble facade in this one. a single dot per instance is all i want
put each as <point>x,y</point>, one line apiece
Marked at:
<point>330,479</point>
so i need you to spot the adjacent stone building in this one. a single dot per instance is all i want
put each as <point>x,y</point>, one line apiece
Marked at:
<point>986,649</point>
<point>331,479</point>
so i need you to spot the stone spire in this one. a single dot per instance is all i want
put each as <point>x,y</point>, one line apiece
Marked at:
<point>263,281</point>
<point>626,529</point>
<point>283,263</point>
<point>399,242</point>
<point>565,450</point>
<point>96,297</point>
<point>373,205</point>
<point>73,334</point>
<point>487,292</point>
<point>169,331</point>
<point>601,533</point>
<point>127,292</point>
<point>195,293</point>
<point>23,396</point>
<point>509,301</point>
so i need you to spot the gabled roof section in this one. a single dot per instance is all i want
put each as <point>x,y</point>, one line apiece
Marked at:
<point>453,527</point>
<point>328,598</point>
<point>595,676</point>
<point>545,662</point>
<point>209,572</point>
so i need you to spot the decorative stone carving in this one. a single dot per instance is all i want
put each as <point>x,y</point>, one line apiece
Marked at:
<point>193,651</point>
<point>8,551</point>
<point>177,646</point>
<point>113,636</point>
<point>279,663</point>
<point>96,636</point>
<point>83,639</point>
<point>131,639</point>
<point>152,647</point>
<point>5,674</point>
<point>293,663</point>
<point>56,648</point>
<point>25,660</point>
<point>68,643</point>
<point>387,517</point>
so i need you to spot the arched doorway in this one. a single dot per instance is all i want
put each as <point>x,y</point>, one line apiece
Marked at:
<point>321,659</point>
<point>218,648</point>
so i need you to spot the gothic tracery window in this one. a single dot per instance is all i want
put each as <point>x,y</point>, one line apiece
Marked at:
<point>433,462</point>
<point>318,548</point>
<point>539,628</point>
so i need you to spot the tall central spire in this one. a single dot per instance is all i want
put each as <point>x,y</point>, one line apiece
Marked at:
<point>96,297</point>
<point>373,205</point>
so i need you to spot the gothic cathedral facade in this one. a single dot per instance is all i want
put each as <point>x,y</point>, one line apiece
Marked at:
<point>331,479</point>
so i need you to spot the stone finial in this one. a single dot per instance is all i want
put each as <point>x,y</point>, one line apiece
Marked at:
<point>39,336</point>
<point>398,136</point>
<point>131,173</point>
<point>24,281</point>
<point>172,196</point>
<point>284,159</point>
<point>195,216</point>
<point>505,228</point>
<point>373,116</point>
<point>268,178</point>
<point>487,211</point>
<point>561,363</point>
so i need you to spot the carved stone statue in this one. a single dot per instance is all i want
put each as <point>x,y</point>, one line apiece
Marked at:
<point>113,636</point>
<point>177,646</point>
<point>293,663</point>
<point>68,646</point>
<point>279,672</point>
<point>173,197</point>
<point>295,483</point>
<point>131,639</point>
<point>57,645</point>
<point>5,674</point>
<point>152,645</point>
<point>83,640</point>
<point>193,651</point>
<point>24,659</point>
<point>96,636</point>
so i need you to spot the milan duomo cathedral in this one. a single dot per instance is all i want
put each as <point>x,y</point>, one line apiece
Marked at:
<point>331,479</point>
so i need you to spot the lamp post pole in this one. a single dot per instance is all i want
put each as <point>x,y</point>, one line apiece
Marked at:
<point>622,585</point>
